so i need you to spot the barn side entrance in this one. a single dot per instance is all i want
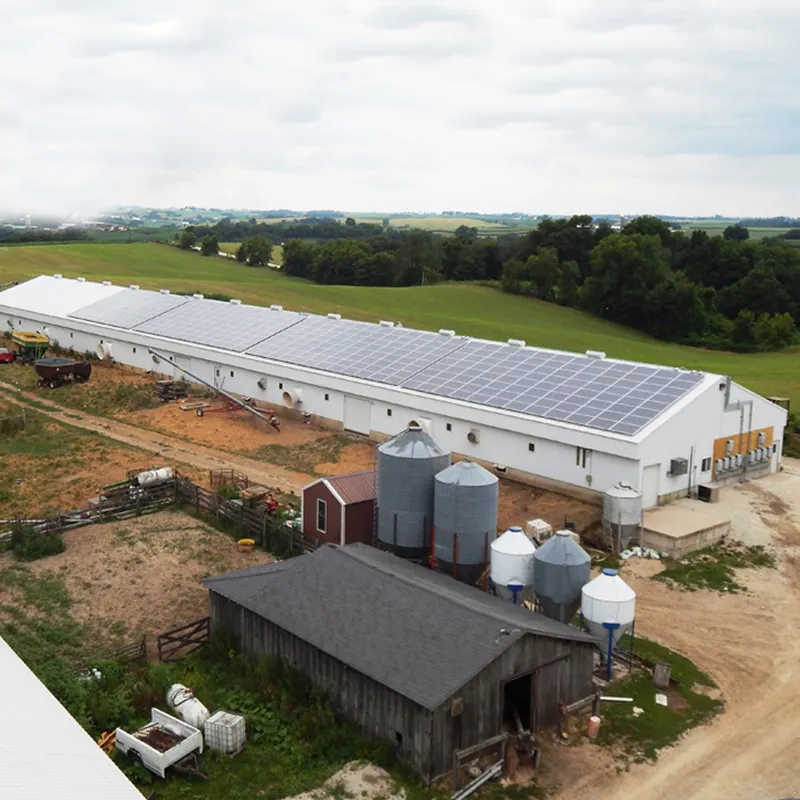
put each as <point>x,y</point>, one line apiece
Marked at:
<point>518,698</point>
<point>357,415</point>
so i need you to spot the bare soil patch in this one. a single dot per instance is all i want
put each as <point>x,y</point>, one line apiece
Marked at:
<point>520,503</point>
<point>143,574</point>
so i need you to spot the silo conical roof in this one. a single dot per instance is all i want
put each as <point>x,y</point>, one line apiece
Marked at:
<point>562,550</point>
<point>412,443</point>
<point>467,473</point>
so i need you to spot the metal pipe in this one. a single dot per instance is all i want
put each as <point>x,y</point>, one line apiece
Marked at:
<point>611,627</point>
<point>691,462</point>
<point>217,390</point>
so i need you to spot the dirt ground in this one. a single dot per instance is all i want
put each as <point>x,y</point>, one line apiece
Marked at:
<point>144,572</point>
<point>356,780</point>
<point>748,643</point>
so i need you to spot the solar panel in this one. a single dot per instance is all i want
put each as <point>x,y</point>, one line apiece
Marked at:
<point>228,326</point>
<point>612,396</point>
<point>129,308</point>
<point>359,349</point>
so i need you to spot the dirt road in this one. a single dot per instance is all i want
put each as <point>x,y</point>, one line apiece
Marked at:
<point>168,449</point>
<point>750,644</point>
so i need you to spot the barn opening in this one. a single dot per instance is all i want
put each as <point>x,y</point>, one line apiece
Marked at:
<point>518,696</point>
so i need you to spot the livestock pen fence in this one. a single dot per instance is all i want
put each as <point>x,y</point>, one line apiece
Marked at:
<point>268,529</point>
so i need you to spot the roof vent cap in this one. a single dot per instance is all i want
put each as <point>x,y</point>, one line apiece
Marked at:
<point>106,283</point>
<point>334,316</point>
<point>135,287</point>
<point>595,354</point>
<point>517,342</point>
<point>235,302</point>
<point>276,308</point>
<point>163,291</point>
<point>446,332</point>
<point>198,296</point>
<point>385,323</point>
<point>58,276</point>
<point>81,280</point>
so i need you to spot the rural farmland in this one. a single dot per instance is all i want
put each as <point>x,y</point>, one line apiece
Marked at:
<point>467,309</point>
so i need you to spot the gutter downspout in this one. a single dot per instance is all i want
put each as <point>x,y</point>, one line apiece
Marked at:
<point>739,406</point>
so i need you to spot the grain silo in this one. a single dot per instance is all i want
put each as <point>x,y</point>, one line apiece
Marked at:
<point>622,515</point>
<point>407,465</point>
<point>464,519</point>
<point>561,570</point>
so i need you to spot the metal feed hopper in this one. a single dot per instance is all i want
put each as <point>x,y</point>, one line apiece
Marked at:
<point>407,465</point>
<point>465,501</point>
<point>561,569</point>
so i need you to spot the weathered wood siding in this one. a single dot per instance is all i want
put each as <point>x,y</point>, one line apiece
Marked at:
<point>378,711</point>
<point>561,672</point>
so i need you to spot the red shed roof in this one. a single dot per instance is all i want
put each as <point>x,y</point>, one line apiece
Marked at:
<point>356,487</point>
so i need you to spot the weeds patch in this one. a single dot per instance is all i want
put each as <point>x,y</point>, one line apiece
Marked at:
<point>713,568</point>
<point>305,457</point>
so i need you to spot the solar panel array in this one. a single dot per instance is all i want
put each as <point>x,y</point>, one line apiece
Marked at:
<point>359,349</point>
<point>621,397</point>
<point>217,324</point>
<point>129,308</point>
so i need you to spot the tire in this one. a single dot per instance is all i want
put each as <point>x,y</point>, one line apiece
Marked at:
<point>200,412</point>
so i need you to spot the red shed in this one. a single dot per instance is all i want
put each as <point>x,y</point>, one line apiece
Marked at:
<point>340,509</point>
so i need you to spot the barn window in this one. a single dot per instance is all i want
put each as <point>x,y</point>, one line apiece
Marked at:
<point>327,396</point>
<point>322,516</point>
<point>280,386</point>
<point>706,465</point>
<point>388,412</point>
<point>775,447</point>
<point>70,335</point>
<point>449,426</point>
<point>231,373</point>
<point>134,349</point>
<point>531,447</point>
<point>582,456</point>
<point>216,372</point>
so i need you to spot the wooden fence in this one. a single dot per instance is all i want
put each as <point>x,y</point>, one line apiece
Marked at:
<point>136,651</point>
<point>228,477</point>
<point>178,643</point>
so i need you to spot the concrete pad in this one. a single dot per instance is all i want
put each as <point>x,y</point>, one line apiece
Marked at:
<point>681,529</point>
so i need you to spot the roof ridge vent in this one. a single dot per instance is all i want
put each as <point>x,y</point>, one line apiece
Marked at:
<point>163,291</point>
<point>276,308</point>
<point>385,323</point>
<point>334,316</point>
<point>233,301</point>
<point>58,276</point>
<point>135,287</point>
<point>516,342</point>
<point>447,332</point>
<point>106,283</point>
<point>198,296</point>
<point>595,354</point>
<point>81,280</point>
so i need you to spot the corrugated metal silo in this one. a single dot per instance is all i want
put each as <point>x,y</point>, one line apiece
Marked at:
<point>464,519</point>
<point>407,465</point>
<point>561,570</point>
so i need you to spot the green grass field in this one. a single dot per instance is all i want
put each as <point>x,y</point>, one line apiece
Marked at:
<point>715,228</point>
<point>469,310</point>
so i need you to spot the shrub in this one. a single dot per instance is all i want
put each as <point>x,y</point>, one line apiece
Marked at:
<point>29,544</point>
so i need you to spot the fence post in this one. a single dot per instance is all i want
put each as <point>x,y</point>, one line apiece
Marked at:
<point>263,531</point>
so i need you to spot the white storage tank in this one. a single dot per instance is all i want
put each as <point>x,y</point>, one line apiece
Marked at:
<point>153,477</point>
<point>225,732</point>
<point>622,514</point>
<point>511,565</point>
<point>185,705</point>
<point>608,607</point>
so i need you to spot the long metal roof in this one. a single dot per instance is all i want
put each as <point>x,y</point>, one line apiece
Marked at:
<point>44,752</point>
<point>584,390</point>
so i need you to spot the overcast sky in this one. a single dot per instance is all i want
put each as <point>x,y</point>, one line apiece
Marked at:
<point>542,106</point>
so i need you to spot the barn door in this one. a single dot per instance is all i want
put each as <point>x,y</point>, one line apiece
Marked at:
<point>650,485</point>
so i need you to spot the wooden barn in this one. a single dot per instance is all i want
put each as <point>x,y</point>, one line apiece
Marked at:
<point>407,654</point>
<point>340,509</point>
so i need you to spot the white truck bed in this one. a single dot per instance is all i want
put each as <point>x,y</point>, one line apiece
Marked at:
<point>161,743</point>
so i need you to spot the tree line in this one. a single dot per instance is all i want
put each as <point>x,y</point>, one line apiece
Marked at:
<point>320,229</point>
<point>12,235</point>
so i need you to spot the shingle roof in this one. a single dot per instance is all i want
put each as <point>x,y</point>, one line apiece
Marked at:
<point>357,487</point>
<point>417,632</point>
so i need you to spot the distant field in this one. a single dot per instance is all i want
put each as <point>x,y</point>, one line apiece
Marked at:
<point>713,228</point>
<point>470,310</point>
<point>232,247</point>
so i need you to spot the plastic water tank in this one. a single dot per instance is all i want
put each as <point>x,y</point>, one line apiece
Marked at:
<point>511,565</point>
<point>608,607</point>
<point>465,500</point>
<point>153,477</point>
<point>186,706</point>
<point>407,466</point>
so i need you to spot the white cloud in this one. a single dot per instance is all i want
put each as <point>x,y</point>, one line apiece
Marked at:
<point>635,105</point>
